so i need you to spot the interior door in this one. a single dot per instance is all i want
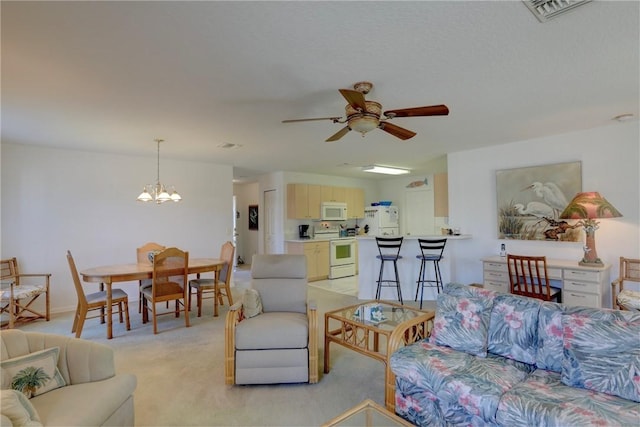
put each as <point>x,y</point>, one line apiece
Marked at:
<point>418,212</point>
<point>269,223</point>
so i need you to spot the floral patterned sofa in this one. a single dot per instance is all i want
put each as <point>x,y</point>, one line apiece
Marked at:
<point>504,360</point>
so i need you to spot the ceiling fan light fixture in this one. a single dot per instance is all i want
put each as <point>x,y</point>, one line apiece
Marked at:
<point>386,170</point>
<point>364,124</point>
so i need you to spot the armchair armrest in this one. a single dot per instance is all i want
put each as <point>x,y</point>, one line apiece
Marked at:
<point>312,316</point>
<point>234,316</point>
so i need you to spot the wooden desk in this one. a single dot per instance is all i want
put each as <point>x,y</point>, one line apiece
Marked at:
<point>109,274</point>
<point>581,285</point>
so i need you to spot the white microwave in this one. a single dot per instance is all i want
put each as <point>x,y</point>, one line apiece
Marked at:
<point>333,211</point>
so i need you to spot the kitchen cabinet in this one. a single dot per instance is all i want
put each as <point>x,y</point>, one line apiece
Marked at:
<point>317,253</point>
<point>355,202</point>
<point>334,194</point>
<point>303,201</point>
<point>583,286</point>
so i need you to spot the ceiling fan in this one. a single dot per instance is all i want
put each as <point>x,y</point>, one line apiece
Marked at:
<point>364,116</point>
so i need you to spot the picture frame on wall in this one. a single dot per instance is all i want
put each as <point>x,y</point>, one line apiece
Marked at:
<point>531,199</point>
<point>253,217</point>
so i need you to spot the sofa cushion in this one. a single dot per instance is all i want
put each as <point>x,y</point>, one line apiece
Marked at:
<point>273,331</point>
<point>513,329</point>
<point>543,400</point>
<point>19,409</point>
<point>462,323</point>
<point>461,382</point>
<point>88,404</point>
<point>34,373</point>
<point>550,353</point>
<point>603,355</point>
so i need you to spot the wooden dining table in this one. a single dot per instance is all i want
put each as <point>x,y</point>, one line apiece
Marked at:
<point>109,274</point>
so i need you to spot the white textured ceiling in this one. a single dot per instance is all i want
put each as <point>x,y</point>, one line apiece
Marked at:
<point>112,76</point>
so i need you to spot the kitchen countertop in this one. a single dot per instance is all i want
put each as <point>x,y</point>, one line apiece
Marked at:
<point>429,236</point>
<point>324,239</point>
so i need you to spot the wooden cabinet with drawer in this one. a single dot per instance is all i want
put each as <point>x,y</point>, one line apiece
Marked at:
<point>584,286</point>
<point>496,276</point>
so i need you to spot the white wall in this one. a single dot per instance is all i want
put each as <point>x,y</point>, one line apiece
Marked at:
<point>55,199</point>
<point>610,165</point>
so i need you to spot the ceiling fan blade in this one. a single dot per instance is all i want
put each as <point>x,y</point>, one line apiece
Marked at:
<point>336,136</point>
<point>432,110</point>
<point>397,131</point>
<point>354,98</point>
<point>334,119</point>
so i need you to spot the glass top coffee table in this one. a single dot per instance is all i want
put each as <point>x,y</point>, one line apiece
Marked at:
<point>368,414</point>
<point>401,325</point>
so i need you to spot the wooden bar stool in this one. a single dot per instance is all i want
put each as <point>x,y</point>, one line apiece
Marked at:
<point>389,250</point>
<point>430,251</point>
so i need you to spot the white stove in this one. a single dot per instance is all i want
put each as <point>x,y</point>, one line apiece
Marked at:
<point>342,252</point>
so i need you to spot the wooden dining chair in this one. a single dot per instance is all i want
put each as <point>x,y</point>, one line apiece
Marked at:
<point>220,288</point>
<point>19,293</point>
<point>528,276</point>
<point>169,283</point>
<point>95,301</point>
<point>142,254</point>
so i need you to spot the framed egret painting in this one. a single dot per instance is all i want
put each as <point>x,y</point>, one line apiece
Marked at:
<point>531,199</point>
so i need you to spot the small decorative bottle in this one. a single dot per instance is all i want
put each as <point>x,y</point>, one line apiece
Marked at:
<point>503,250</point>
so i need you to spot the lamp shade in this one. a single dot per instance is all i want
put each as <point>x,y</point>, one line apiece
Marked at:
<point>589,205</point>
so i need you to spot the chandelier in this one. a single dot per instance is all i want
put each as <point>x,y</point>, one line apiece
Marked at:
<point>158,192</point>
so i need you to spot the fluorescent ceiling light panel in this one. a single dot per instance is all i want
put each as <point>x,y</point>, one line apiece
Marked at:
<point>387,170</point>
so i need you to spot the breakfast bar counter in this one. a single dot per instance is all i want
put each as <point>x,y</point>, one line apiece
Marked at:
<point>408,267</point>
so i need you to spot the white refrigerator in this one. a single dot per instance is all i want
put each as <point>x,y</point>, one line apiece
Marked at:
<point>382,220</point>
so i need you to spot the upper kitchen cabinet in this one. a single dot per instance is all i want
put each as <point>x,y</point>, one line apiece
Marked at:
<point>441,195</point>
<point>303,201</point>
<point>355,202</point>
<point>334,194</point>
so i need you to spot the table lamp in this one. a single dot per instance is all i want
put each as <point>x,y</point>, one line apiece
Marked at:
<point>587,207</point>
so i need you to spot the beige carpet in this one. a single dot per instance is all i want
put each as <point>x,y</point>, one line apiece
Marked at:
<point>181,374</point>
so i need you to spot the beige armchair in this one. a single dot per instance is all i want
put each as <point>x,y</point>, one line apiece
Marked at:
<point>88,393</point>
<point>279,344</point>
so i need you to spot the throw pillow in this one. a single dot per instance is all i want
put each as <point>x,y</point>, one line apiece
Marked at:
<point>251,303</point>
<point>462,323</point>
<point>33,374</point>
<point>18,409</point>
<point>513,329</point>
<point>602,354</point>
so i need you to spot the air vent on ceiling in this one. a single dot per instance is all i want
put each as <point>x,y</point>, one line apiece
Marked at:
<point>545,10</point>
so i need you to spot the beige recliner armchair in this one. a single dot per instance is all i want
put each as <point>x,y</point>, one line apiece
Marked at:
<point>279,343</point>
<point>87,391</point>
